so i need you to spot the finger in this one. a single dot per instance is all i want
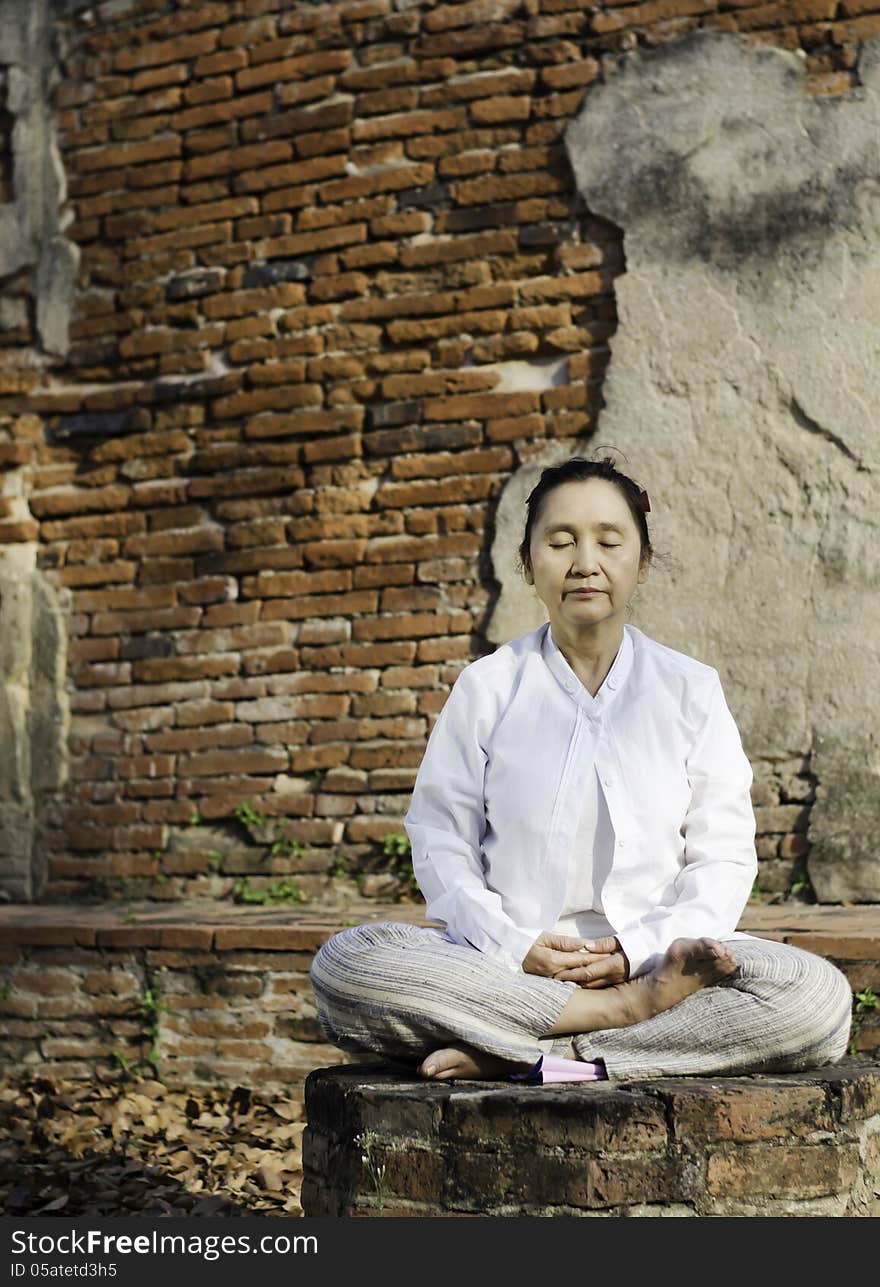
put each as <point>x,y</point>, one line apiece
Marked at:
<point>575,960</point>
<point>572,976</point>
<point>602,945</point>
<point>564,942</point>
<point>602,973</point>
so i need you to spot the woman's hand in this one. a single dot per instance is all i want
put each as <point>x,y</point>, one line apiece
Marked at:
<point>562,956</point>
<point>551,953</point>
<point>602,965</point>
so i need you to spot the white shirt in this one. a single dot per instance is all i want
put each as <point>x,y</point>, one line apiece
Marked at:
<point>499,794</point>
<point>582,913</point>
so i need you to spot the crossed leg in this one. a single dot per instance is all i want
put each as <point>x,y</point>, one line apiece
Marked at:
<point>688,965</point>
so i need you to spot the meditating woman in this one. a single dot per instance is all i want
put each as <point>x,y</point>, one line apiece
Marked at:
<point>581,825</point>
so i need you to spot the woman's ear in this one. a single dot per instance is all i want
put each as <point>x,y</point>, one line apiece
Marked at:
<point>644,567</point>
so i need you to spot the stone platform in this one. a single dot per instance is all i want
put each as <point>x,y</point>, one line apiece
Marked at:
<point>800,1144</point>
<point>220,992</point>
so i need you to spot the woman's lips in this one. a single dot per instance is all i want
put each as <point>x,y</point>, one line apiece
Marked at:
<point>584,594</point>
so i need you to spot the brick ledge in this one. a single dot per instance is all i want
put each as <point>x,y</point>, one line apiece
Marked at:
<point>849,932</point>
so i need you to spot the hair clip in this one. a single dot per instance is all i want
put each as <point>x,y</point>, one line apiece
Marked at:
<point>643,501</point>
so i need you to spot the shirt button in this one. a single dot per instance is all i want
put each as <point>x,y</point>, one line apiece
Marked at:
<point>612,683</point>
<point>609,782</point>
<point>621,843</point>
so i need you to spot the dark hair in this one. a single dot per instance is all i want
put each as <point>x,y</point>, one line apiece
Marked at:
<point>576,470</point>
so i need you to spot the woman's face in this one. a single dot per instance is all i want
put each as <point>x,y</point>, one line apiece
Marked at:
<point>585,537</point>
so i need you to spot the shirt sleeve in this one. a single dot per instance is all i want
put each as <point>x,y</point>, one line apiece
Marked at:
<point>446,823</point>
<point>720,861</point>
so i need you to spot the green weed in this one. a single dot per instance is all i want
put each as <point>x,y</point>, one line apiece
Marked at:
<point>280,891</point>
<point>152,1008</point>
<point>285,845</point>
<point>248,816</point>
<point>396,845</point>
<point>865,1002</point>
<point>122,1063</point>
<point>376,1171</point>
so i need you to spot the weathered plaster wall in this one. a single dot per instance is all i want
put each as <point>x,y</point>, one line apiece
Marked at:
<point>742,390</point>
<point>31,224</point>
<point>37,275</point>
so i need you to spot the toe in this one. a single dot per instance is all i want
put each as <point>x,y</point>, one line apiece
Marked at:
<point>436,1064</point>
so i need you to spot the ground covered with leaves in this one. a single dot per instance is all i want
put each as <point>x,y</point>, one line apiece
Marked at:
<point>138,1147</point>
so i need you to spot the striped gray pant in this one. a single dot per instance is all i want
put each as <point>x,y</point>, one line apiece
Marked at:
<point>403,990</point>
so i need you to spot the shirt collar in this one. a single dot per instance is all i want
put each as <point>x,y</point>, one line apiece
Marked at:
<point>611,684</point>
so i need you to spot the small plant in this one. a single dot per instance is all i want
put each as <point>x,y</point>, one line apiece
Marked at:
<point>248,816</point>
<point>801,885</point>
<point>367,1141</point>
<point>286,845</point>
<point>5,989</point>
<point>407,875</point>
<point>349,920</point>
<point>865,1001</point>
<point>339,868</point>
<point>195,818</point>
<point>160,878</point>
<point>396,845</point>
<point>152,1008</point>
<point>215,860</point>
<point>280,891</point>
<point>122,1063</point>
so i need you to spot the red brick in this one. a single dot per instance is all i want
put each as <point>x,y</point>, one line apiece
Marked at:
<point>388,179</point>
<point>330,60</point>
<point>405,124</point>
<point>128,154</point>
<point>167,51</point>
<point>800,1171</point>
<point>23,530</point>
<point>749,1113</point>
<point>213,763</point>
<point>224,110</point>
<point>489,111</point>
<point>570,74</point>
<point>48,504</point>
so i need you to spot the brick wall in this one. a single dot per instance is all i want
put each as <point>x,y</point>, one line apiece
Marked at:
<point>226,996</point>
<point>801,1145</point>
<point>265,471</point>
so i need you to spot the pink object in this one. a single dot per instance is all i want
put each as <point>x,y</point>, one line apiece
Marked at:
<point>552,1068</point>
<point>555,1068</point>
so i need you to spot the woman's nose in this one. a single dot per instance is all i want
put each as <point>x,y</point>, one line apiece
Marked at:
<point>584,558</point>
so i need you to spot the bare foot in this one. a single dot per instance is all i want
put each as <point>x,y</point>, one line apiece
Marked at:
<point>468,1062</point>
<point>688,965</point>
